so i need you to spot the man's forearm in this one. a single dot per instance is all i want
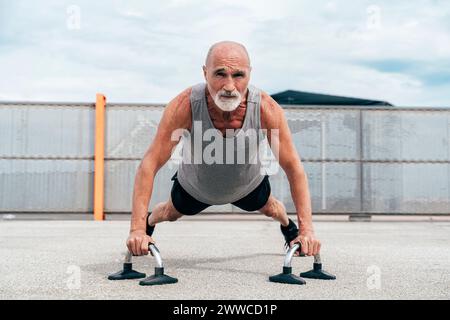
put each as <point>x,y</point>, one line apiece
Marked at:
<point>298,182</point>
<point>143,187</point>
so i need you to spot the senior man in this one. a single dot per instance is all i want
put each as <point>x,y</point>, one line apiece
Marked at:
<point>225,105</point>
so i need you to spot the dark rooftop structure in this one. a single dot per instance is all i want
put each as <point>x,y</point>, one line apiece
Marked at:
<point>307,98</point>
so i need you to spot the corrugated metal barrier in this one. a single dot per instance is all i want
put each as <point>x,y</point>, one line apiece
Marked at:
<point>359,160</point>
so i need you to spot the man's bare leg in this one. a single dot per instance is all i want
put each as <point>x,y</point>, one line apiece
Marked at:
<point>276,210</point>
<point>163,211</point>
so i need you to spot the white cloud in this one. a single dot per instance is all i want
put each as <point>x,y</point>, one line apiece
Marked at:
<point>141,51</point>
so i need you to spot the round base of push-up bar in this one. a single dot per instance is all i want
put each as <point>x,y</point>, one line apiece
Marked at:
<point>126,273</point>
<point>287,277</point>
<point>318,273</point>
<point>159,278</point>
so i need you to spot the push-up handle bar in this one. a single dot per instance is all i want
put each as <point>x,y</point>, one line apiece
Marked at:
<point>157,278</point>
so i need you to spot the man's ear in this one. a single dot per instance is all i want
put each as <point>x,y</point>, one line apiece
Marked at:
<point>249,72</point>
<point>204,71</point>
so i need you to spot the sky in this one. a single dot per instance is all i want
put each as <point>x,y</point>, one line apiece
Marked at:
<point>149,51</point>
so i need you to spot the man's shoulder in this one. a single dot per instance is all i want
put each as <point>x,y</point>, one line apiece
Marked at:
<point>178,110</point>
<point>270,111</point>
<point>183,98</point>
<point>181,104</point>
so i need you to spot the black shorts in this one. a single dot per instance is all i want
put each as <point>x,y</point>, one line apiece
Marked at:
<point>188,205</point>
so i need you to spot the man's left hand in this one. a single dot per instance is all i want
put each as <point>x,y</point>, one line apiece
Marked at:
<point>310,245</point>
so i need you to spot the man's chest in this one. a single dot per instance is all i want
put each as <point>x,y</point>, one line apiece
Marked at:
<point>228,120</point>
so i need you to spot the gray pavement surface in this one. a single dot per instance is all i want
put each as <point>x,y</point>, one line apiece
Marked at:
<point>224,257</point>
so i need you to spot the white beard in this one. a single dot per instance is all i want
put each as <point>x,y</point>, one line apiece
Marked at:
<point>227,104</point>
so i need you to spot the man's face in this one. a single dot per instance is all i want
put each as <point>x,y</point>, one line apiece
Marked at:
<point>227,74</point>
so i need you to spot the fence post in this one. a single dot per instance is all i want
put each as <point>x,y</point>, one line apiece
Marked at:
<point>362,215</point>
<point>99,167</point>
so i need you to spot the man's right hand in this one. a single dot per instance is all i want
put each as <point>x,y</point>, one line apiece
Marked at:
<point>138,242</point>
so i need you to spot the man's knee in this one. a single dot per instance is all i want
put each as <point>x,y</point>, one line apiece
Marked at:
<point>272,207</point>
<point>170,212</point>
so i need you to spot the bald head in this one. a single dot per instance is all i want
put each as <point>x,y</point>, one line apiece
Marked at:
<point>227,50</point>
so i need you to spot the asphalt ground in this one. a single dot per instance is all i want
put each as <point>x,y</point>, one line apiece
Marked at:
<point>225,257</point>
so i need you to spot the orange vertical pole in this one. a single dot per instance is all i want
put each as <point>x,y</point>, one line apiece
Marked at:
<point>99,167</point>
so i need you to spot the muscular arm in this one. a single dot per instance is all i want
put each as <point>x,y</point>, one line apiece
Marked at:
<point>280,140</point>
<point>176,115</point>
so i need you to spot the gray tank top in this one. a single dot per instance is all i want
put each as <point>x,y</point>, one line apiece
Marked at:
<point>217,169</point>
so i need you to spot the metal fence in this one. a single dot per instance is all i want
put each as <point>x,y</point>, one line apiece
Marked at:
<point>359,160</point>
